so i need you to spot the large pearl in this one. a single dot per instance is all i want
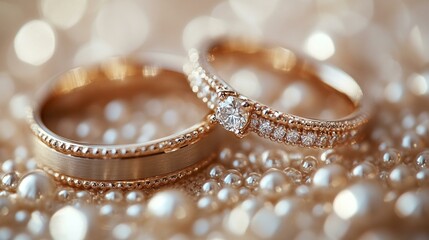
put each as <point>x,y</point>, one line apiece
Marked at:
<point>35,186</point>
<point>413,206</point>
<point>171,208</point>
<point>330,177</point>
<point>274,184</point>
<point>69,223</point>
<point>361,203</point>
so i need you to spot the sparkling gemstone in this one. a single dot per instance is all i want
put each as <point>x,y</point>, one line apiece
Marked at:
<point>265,128</point>
<point>279,133</point>
<point>292,136</point>
<point>231,114</point>
<point>308,139</point>
<point>254,123</point>
<point>322,140</point>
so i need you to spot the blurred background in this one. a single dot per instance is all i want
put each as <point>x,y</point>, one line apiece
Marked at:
<point>383,44</point>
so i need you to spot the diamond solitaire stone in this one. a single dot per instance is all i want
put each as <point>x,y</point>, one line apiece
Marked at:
<point>231,114</point>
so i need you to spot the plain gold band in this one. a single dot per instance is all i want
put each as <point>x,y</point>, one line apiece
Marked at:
<point>107,166</point>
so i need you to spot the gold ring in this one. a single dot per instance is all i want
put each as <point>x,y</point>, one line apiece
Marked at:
<point>241,115</point>
<point>129,166</point>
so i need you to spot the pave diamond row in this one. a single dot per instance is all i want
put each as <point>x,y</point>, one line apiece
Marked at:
<point>122,151</point>
<point>294,136</point>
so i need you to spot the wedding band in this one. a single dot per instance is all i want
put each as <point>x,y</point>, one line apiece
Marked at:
<point>127,166</point>
<point>241,115</point>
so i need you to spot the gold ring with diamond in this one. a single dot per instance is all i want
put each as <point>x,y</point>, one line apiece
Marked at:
<point>127,166</point>
<point>241,115</point>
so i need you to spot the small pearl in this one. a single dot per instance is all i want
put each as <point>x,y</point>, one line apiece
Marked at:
<point>422,160</point>
<point>232,178</point>
<point>330,156</point>
<point>22,216</point>
<point>401,177</point>
<point>309,164</point>
<point>210,187</point>
<point>208,203</point>
<point>365,170</point>
<point>293,174</point>
<point>422,177</point>
<point>274,159</point>
<point>9,181</point>
<point>228,196</point>
<point>64,195</point>
<point>240,161</point>
<point>244,192</point>
<point>390,158</point>
<point>216,171</point>
<point>114,196</point>
<point>35,186</point>
<point>135,196</point>
<point>274,184</point>
<point>135,210</point>
<point>252,180</point>
<point>411,142</point>
<point>330,177</point>
<point>171,207</point>
<point>8,166</point>
<point>83,196</point>
<point>225,156</point>
<point>107,210</point>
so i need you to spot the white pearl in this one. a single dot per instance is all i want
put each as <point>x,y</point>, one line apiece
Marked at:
<point>232,178</point>
<point>330,156</point>
<point>309,164</point>
<point>240,161</point>
<point>35,186</point>
<point>422,177</point>
<point>65,195</point>
<point>225,156</point>
<point>361,202</point>
<point>274,159</point>
<point>293,174</point>
<point>401,177</point>
<point>252,180</point>
<point>332,176</point>
<point>216,171</point>
<point>9,181</point>
<point>274,184</point>
<point>422,160</point>
<point>114,195</point>
<point>390,158</point>
<point>69,223</point>
<point>365,170</point>
<point>171,207</point>
<point>413,205</point>
<point>210,187</point>
<point>135,196</point>
<point>135,210</point>
<point>208,203</point>
<point>228,196</point>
